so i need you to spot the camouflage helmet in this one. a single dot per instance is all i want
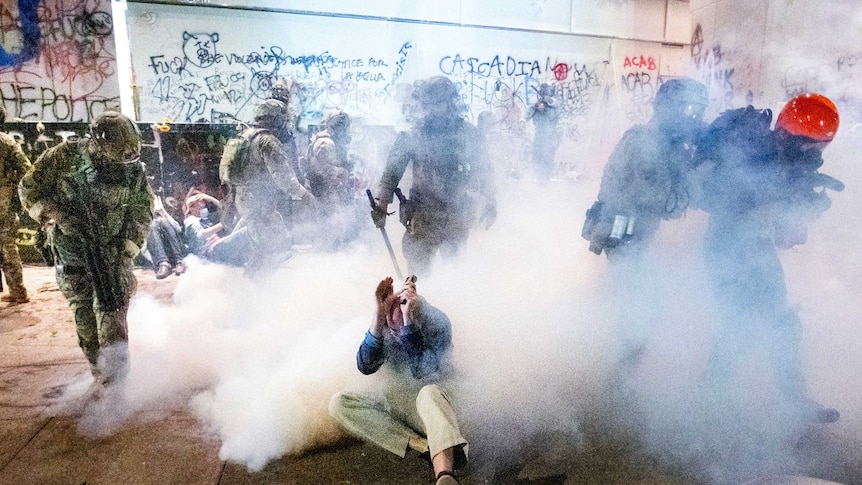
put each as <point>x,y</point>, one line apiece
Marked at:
<point>280,90</point>
<point>435,90</point>
<point>116,137</point>
<point>337,120</point>
<point>272,113</point>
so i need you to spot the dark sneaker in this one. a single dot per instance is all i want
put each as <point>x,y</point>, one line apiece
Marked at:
<point>163,271</point>
<point>446,478</point>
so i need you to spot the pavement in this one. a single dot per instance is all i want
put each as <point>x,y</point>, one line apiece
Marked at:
<point>45,436</point>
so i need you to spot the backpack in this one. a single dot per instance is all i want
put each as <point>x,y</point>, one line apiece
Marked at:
<point>743,131</point>
<point>312,178</point>
<point>235,155</point>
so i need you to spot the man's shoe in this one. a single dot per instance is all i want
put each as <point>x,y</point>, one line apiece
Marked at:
<point>164,271</point>
<point>180,268</point>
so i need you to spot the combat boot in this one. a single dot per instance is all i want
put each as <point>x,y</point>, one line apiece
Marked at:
<point>16,297</point>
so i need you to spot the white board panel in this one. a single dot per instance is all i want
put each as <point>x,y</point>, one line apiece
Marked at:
<point>678,22</point>
<point>628,19</point>
<point>424,10</point>
<point>548,15</point>
<point>217,65</point>
<point>201,63</point>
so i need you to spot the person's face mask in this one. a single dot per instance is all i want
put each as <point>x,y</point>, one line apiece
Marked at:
<point>205,213</point>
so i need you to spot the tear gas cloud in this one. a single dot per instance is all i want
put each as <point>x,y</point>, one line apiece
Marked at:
<point>538,328</point>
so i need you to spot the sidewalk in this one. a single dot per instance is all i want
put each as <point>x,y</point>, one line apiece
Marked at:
<point>44,437</point>
<point>42,372</point>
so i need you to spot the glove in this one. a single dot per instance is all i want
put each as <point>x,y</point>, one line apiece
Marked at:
<point>130,249</point>
<point>406,210</point>
<point>378,216</point>
<point>489,215</point>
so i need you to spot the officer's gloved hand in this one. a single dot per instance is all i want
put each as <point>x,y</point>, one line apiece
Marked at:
<point>378,216</point>
<point>130,249</point>
<point>406,210</point>
<point>310,205</point>
<point>489,215</point>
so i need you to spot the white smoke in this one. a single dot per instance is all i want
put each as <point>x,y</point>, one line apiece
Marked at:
<point>535,333</point>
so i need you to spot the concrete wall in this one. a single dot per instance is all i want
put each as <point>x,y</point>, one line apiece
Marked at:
<point>767,51</point>
<point>606,59</point>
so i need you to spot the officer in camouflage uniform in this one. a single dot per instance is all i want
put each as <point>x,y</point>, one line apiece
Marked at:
<point>329,171</point>
<point>93,197</point>
<point>281,91</point>
<point>13,165</point>
<point>451,177</point>
<point>329,168</point>
<point>267,182</point>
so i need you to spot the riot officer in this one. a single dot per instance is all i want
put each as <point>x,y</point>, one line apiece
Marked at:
<point>13,165</point>
<point>646,180</point>
<point>762,191</point>
<point>93,198</point>
<point>267,183</point>
<point>452,180</point>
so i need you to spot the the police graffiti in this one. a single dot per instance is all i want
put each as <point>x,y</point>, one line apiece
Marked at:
<point>57,60</point>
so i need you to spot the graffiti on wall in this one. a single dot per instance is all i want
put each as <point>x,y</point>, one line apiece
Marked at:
<point>57,59</point>
<point>199,81</point>
<point>715,68</point>
<point>196,79</point>
<point>506,86</point>
<point>639,80</point>
<point>835,76</point>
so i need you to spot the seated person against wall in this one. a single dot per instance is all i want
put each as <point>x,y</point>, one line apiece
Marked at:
<point>165,243</point>
<point>415,412</point>
<point>202,233</point>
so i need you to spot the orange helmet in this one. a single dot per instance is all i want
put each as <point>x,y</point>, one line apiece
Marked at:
<point>810,115</point>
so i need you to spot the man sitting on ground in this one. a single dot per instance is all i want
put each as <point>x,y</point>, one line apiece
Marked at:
<point>416,412</point>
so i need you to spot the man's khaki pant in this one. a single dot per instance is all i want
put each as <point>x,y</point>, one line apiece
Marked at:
<point>391,423</point>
